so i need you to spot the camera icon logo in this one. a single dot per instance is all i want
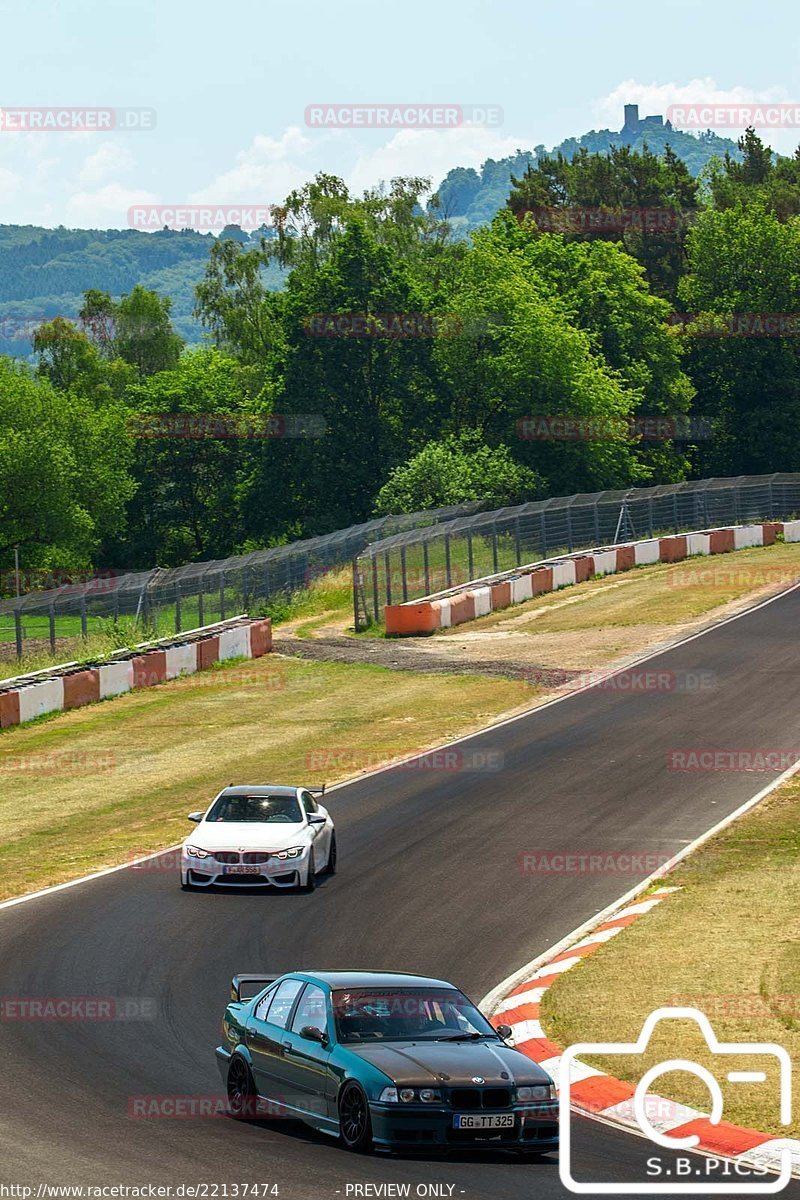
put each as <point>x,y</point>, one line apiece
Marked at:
<point>733,1063</point>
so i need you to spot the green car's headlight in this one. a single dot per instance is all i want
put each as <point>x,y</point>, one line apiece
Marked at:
<point>543,1091</point>
<point>394,1095</point>
<point>196,852</point>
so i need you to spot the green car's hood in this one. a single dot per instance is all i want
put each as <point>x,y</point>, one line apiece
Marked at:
<point>454,1063</point>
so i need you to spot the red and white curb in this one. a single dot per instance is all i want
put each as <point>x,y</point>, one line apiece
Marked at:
<point>595,1094</point>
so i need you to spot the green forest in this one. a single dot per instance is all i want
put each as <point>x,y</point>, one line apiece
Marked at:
<point>366,358</point>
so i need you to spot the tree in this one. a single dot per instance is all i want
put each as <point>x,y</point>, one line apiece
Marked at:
<point>144,334</point>
<point>194,427</point>
<point>457,469</point>
<point>518,353</point>
<point>644,201</point>
<point>64,471</point>
<point>744,275</point>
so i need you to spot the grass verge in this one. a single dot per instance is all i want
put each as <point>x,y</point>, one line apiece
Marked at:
<point>91,787</point>
<point>727,943</point>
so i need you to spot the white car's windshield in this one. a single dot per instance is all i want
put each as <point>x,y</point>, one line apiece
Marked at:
<point>267,810</point>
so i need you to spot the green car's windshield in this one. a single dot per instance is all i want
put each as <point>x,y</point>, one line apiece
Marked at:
<point>406,1014</point>
<point>271,810</point>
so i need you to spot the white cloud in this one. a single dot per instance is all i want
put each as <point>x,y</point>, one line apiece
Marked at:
<point>108,160</point>
<point>656,98</point>
<point>10,183</point>
<point>264,173</point>
<point>106,207</point>
<point>270,168</point>
<point>431,153</point>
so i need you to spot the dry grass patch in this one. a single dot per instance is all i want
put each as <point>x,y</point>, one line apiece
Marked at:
<point>727,943</point>
<point>664,594</point>
<point>89,788</point>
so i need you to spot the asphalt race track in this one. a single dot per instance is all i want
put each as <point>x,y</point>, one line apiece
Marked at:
<point>428,881</point>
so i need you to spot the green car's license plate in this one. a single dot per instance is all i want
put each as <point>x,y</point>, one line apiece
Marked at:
<point>483,1121</point>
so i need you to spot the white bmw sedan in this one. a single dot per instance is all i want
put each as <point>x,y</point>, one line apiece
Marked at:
<point>260,837</point>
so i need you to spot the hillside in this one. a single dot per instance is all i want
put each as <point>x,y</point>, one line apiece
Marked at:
<point>469,198</point>
<point>43,272</point>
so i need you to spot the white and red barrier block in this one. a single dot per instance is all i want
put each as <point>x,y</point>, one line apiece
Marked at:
<point>480,597</point>
<point>73,685</point>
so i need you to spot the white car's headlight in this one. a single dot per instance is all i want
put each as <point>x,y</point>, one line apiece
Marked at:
<point>292,852</point>
<point>543,1091</point>
<point>196,852</point>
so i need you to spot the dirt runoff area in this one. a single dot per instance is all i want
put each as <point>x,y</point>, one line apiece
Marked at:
<point>556,639</point>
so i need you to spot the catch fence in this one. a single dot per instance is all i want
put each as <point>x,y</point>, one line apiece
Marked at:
<point>420,562</point>
<point>166,600</point>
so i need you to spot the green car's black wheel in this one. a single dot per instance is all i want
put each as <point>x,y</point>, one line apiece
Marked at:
<point>331,867</point>
<point>355,1125</point>
<point>242,1095</point>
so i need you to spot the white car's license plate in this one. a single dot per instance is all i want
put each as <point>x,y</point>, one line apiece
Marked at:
<point>242,871</point>
<point>483,1121</point>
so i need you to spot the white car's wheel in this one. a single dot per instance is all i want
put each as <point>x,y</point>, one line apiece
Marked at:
<point>311,878</point>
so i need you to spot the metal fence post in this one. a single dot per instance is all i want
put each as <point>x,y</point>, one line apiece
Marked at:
<point>83,617</point>
<point>675,510</point>
<point>18,631</point>
<point>470,555</point>
<point>177,607</point>
<point>495,567</point>
<point>403,572</point>
<point>52,616</point>
<point>387,566</point>
<point>447,559</point>
<point>569,527</point>
<point>544,533</point>
<point>596,524</point>
<point>517,543</point>
<point>427,569</point>
<point>222,596</point>
<point>375,601</point>
<point>200,615</point>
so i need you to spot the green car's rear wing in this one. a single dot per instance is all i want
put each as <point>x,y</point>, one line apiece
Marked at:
<point>245,987</point>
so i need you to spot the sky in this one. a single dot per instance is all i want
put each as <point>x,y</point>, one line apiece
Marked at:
<point>226,89</point>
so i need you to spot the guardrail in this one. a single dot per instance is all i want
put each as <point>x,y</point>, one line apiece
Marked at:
<point>420,562</point>
<point>482,596</point>
<point>71,685</point>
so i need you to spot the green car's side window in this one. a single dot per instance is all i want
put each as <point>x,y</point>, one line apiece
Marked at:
<point>282,1001</point>
<point>311,1010</point>
<point>262,1008</point>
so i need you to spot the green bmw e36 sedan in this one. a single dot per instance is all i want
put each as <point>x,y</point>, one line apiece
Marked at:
<point>382,1060</point>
